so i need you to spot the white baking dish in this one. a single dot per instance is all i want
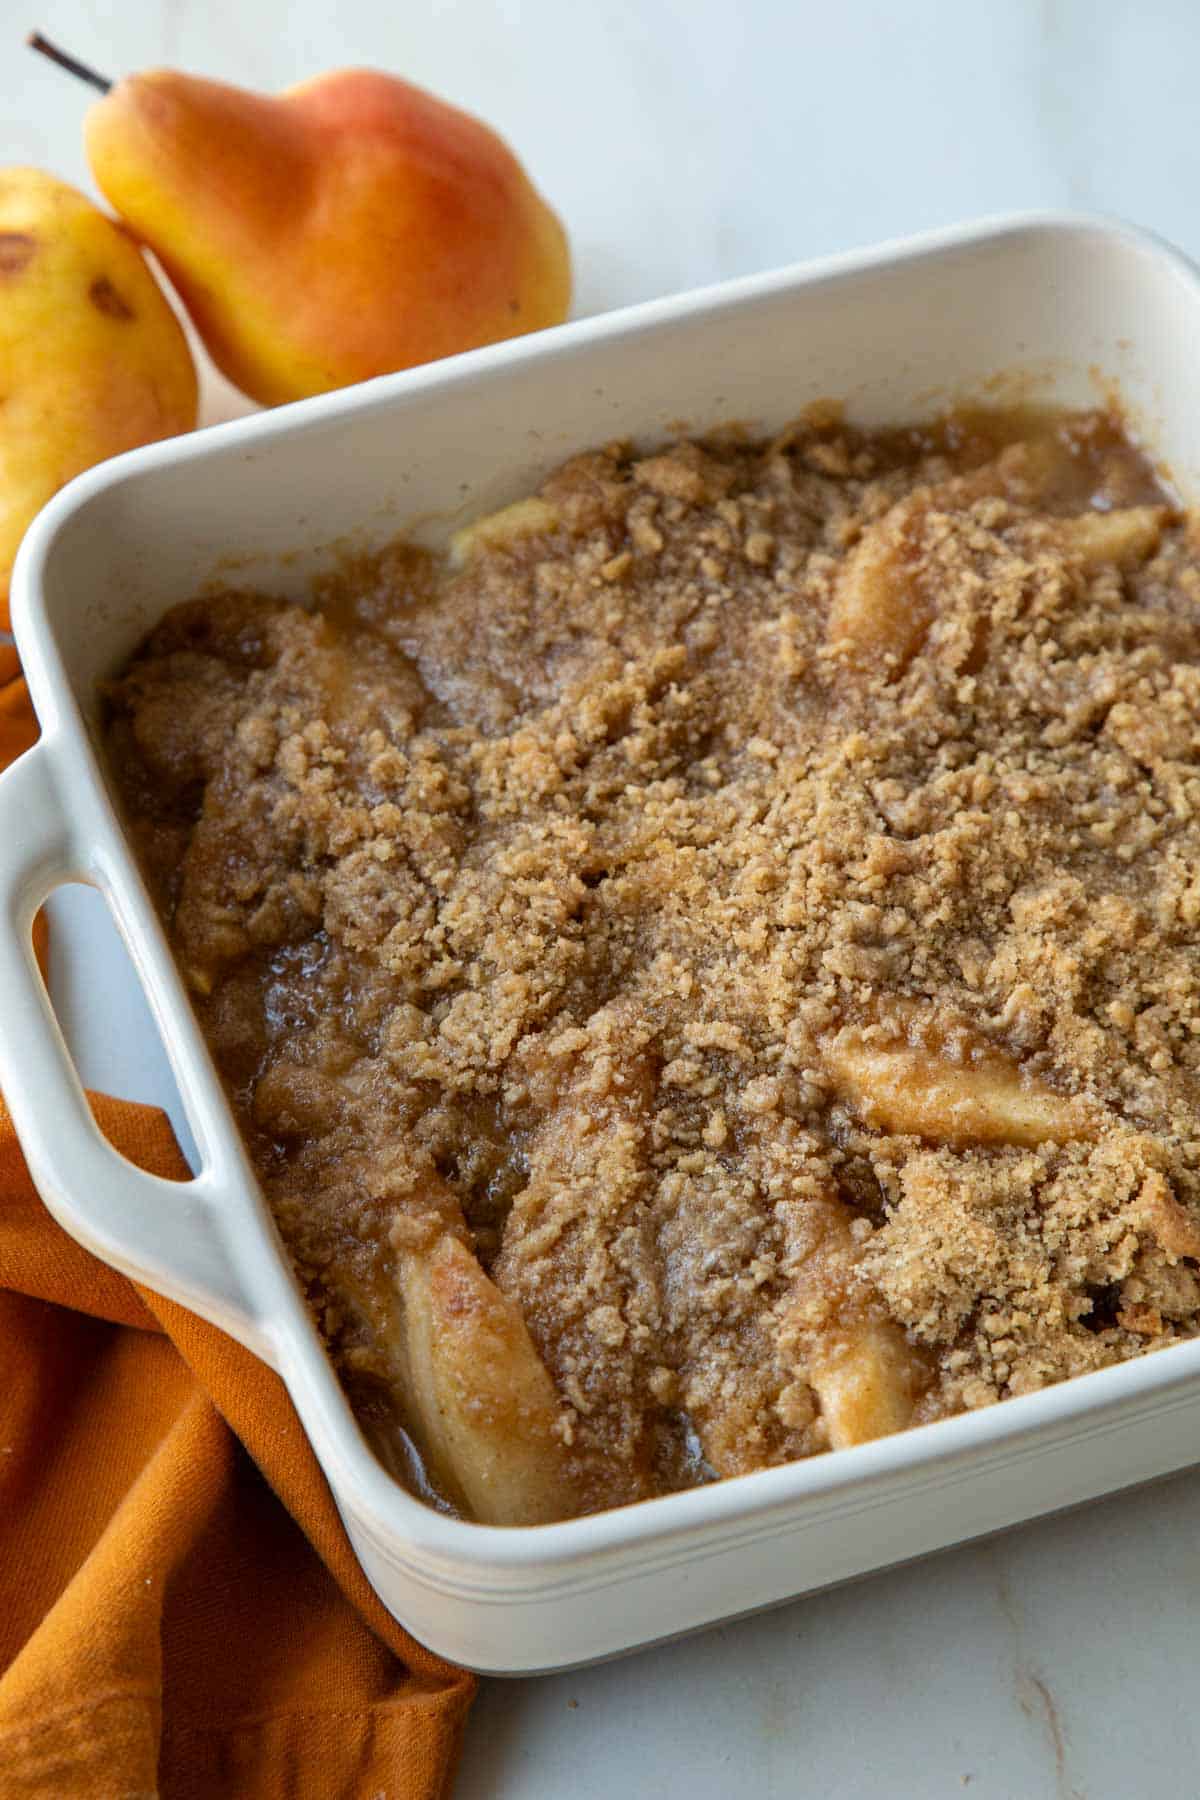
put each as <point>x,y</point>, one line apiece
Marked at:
<point>1058,305</point>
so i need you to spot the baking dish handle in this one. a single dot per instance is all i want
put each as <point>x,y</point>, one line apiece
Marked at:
<point>166,1233</point>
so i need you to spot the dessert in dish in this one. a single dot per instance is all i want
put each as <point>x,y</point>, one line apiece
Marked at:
<point>706,968</point>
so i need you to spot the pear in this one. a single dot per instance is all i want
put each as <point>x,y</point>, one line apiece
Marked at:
<point>92,358</point>
<point>348,227</point>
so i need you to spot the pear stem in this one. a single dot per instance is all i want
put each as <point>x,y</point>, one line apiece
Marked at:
<point>71,64</point>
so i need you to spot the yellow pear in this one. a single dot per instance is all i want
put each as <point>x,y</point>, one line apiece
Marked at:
<point>92,359</point>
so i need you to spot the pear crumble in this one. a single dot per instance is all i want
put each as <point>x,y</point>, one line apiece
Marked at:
<point>708,969</point>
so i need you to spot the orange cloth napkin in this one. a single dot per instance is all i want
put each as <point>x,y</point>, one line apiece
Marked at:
<point>180,1609</point>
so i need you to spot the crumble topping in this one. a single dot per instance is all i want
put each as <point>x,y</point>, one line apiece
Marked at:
<point>748,897</point>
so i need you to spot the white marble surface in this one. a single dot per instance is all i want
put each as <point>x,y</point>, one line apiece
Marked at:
<point>685,140</point>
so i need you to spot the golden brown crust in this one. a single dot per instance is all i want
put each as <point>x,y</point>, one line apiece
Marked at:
<point>748,900</point>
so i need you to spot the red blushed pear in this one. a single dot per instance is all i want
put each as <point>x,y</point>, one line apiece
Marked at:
<point>351,226</point>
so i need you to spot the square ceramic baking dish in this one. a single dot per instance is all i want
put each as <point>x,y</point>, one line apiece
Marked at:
<point>1058,307</point>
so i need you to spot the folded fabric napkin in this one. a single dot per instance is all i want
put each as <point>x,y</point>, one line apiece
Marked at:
<point>180,1609</point>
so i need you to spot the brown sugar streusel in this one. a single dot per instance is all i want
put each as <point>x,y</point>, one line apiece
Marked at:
<point>708,971</point>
